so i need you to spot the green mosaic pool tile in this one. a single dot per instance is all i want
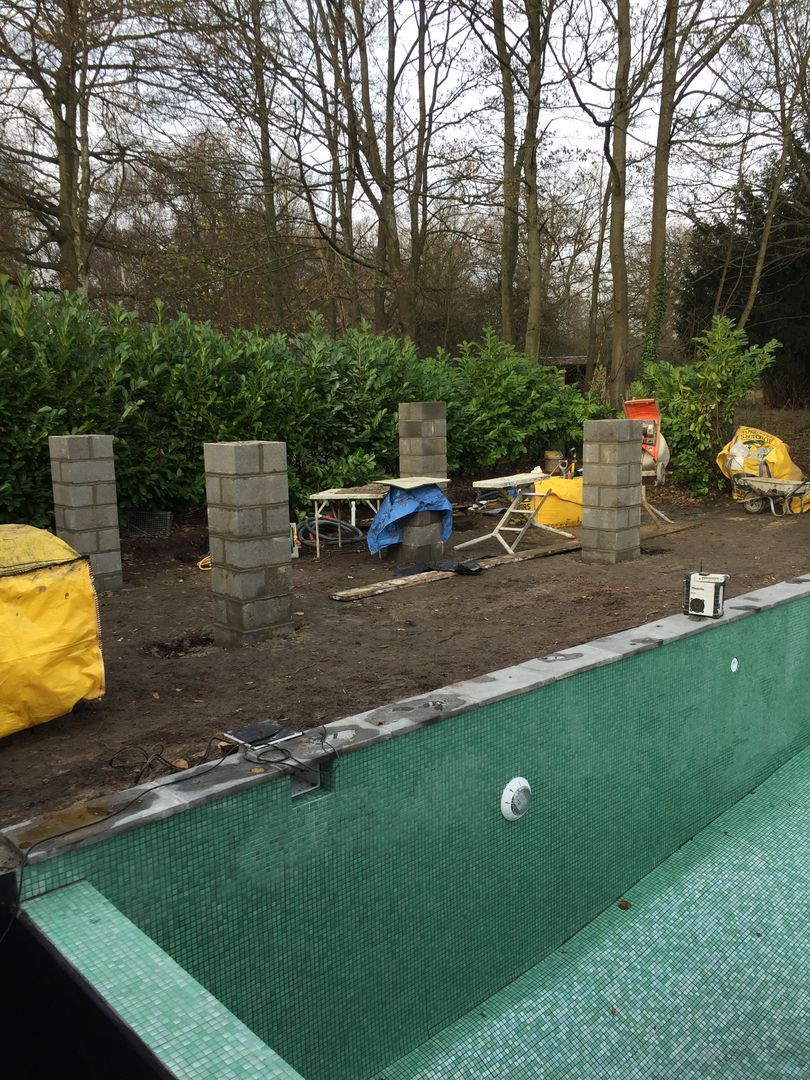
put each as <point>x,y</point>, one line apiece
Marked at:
<point>191,1032</point>
<point>766,819</point>
<point>699,995</point>
<point>751,1028</point>
<point>403,895</point>
<point>770,836</point>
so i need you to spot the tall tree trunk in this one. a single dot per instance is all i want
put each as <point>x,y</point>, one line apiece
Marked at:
<point>663,144</point>
<point>381,163</point>
<point>72,268</point>
<point>732,229</point>
<point>764,239</point>
<point>593,312</point>
<point>336,123</point>
<point>380,314</point>
<point>418,194</point>
<point>537,27</point>
<point>266,163</point>
<point>787,102</point>
<point>619,366</point>
<point>510,216</point>
<point>534,258</point>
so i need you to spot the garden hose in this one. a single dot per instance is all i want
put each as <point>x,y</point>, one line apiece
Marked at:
<point>331,531</point>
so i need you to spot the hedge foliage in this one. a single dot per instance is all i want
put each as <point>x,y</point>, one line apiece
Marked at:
<point>163,388</point>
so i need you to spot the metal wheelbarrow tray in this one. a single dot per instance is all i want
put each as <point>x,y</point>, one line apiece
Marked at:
<point>779,494</point>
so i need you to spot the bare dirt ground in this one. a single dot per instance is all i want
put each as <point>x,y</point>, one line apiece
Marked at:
<point>168,688</point>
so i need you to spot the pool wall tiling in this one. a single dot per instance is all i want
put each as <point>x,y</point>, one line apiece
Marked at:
<point>191,1033</point>
<point>347,926</point>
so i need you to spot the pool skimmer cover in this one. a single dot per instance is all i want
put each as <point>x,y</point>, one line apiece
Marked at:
<point>256,739</point>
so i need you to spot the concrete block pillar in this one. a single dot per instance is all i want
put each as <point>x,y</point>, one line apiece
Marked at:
<point>249,536</point>
<point>423,438</point>
<point>421,539</point>
<point>611,491</point>
<point>85,502</point>
<point>422,452</point>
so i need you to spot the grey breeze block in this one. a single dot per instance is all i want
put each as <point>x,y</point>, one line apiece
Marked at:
<point>611,491</point>
<point>248,522</point>
<point>86,502</point>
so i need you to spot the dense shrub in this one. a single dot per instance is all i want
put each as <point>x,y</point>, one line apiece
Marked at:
<point>698,401</point>
<point>165,387</point>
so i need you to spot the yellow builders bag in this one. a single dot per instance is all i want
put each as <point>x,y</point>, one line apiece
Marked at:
<point>50,648</point>
<point>752,452</point>
<point>564,503</point>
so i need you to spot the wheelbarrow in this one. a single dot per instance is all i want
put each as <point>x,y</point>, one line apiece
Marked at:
<point>763,491</point>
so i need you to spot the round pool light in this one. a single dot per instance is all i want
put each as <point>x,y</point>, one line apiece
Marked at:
<point>516,798</point>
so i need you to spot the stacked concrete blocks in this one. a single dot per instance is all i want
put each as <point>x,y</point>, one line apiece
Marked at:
<point>249,530</point>
<point>86,502</point>
<point>421,539</point>
<point>611,495</point>
<point>422,452</point>
<point>423,438</point>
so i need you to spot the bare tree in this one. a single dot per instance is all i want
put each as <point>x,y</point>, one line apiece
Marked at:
<point>591,45</point>
<point>789,67</point>
<point>226,58</point>
<point>693,36</point>
<point>376,90</point>
<point>69,123</point>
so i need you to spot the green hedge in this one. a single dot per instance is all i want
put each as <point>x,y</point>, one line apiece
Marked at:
<point>165,387</point>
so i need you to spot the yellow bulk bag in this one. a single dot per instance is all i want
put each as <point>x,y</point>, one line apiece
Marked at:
<point>564,504</point>
<point>50,648</point>
<point>752,452</point>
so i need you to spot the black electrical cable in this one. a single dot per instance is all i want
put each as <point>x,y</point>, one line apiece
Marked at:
<point>288,757</point>
<point>149,761</point>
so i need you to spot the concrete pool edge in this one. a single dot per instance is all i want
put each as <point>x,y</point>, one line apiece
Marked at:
<point>88,822</point>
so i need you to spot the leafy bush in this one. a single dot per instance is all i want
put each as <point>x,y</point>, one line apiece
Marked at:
<point>698,401</point>
<point>502,406</point>
<point>163,388</point>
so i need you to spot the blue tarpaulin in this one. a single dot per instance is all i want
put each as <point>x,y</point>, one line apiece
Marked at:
<point>386,528</point>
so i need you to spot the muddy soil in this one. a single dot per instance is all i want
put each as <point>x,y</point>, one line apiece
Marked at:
<point>170,690</point>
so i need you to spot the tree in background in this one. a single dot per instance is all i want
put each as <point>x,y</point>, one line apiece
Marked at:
<point>419,164</point>
<point>693,36</point>
<point>74,75</point>
<point>724,258</point>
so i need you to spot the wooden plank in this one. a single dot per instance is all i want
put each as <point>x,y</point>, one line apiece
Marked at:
<point>495,483</point>
<point>409,483</point>
<point>353,494</point>
<point>438,575</point>
<point>379,587</point>
<point>375,489</point>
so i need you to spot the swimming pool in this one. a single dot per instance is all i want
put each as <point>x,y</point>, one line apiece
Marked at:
<point>346,932</point>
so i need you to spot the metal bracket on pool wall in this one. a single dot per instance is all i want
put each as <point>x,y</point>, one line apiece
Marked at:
<point>306,778</point>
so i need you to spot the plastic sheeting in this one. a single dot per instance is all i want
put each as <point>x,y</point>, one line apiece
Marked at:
<point>386,528</point>
<point>50,648</point>
<point>564,504</point>
<point>752,452</point>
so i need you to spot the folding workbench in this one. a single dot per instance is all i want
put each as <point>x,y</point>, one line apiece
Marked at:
<point>370,495</point>
<point>522,487</point>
